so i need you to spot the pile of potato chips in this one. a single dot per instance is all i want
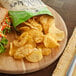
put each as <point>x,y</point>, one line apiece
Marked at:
<point>38,35</point>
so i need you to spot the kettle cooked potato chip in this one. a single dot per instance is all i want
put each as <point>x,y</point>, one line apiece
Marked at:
<point>22,39</point>
<point>46,51</point>
<point>35,24</point>
<point>37,35</point>
<point>23,29</point>
<point>12,49</point>
<point>46,21</point>
<point>35,56</point>
<point>23,51</point>
<point>56,33</point>
<point>50,42</point>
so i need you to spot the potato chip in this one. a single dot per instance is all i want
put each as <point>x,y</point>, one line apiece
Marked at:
<point>46,20</point>
<point>31,41</point>
<point>18,55</point>
<point>35,56</point>
<point>25,28</point>
<point>23,51</point>
<point>23,35</point>
<point>27,23</point>
<point>50,42</point>
<point>46,51</point>
<point>35,24</point>
<point>12,49</point>
<point>37,35</point>
<point>21,40</point>
<point>28,48</point>
<point>56,33</point>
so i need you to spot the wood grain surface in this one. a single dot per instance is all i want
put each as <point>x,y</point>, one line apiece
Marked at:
<point>67,9</point>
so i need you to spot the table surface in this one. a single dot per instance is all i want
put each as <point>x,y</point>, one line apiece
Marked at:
<point>67,9</point>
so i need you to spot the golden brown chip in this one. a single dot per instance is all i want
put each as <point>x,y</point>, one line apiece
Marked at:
<point>46,51</point>
<point>35,56</point>
<point>31,41</point>
<point>56,33</point>
<point>19,55</point>
<point>30,25</point>
<point>37,35</point>
<point>23,35</point>
<point>23,51</point>
<point>46,22</point>
<point>12,49</point>
<point>35,24</point>
<point>28,48</point>
<point>21,40</point>
<point>50,42</point>
<point>25,28</point>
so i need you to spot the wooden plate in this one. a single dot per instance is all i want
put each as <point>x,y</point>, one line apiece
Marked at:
<point>12,66</point>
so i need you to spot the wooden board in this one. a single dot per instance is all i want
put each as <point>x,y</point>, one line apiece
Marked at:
<point>10,65</point>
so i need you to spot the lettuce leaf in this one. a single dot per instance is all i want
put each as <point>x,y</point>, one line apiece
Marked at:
<point>2,48</point>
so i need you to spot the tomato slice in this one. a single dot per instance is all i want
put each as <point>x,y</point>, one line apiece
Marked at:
<point>0,35</point>
<point>3,27</point>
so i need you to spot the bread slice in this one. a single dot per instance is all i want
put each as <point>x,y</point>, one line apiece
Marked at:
<point>3,14</point>
<point>66,58</point>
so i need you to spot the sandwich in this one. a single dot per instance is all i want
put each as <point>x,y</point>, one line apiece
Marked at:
<point>4,28</point>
